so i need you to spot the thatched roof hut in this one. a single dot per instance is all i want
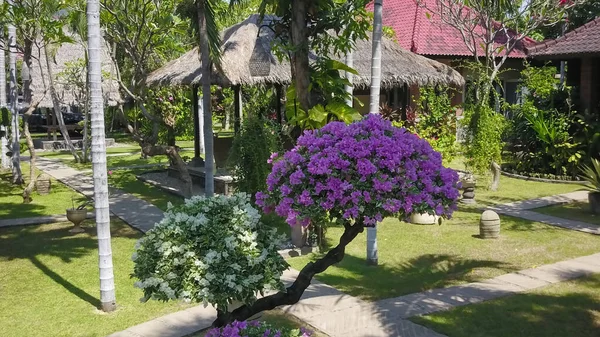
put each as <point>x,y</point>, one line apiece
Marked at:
<point>66,53</point>
<point>247,48</point>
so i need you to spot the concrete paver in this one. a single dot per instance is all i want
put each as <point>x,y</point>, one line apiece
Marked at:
<point>40,220</point>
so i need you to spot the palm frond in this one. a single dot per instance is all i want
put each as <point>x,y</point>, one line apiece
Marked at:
<point>591,174</point>
<point>214,38</point>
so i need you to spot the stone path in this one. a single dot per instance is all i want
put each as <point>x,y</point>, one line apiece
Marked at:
<point>134,211</point>
<point>37,220</point>
<point>526,210</point>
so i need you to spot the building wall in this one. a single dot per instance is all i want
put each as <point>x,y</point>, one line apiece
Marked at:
<point>589,79</point>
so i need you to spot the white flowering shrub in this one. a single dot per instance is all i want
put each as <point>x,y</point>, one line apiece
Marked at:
<point>209,250</point>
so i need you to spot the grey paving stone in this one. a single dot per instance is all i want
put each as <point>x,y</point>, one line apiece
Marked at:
<point>522,281</point>
<point>399,328</point>
<point>590,259</point>
<point>555,273</point>
<point>37,220</point>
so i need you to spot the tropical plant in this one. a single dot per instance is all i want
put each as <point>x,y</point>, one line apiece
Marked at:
<point>256,329</point>
<point>107,281</point>
<point>209,250</point>
<point>591,174</point>
<point>252,147</point>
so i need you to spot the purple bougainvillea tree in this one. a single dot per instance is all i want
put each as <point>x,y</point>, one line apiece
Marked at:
<point>354,175</point>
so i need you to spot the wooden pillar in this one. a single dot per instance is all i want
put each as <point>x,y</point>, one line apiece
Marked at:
<point>237,117</point>
<point>54,125</point>
<point>196,121</point>
<point>279,106</point>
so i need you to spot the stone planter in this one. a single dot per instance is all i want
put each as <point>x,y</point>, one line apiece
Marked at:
<point>424,219</point>
<point>43,184</point>
<point>594,199</point>
<point>76,216</point>
<point>489,225</point>
<point>222,148</point>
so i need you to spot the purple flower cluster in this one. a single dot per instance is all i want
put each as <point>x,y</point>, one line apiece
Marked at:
<point>256,329</point>
<point>361,172</point>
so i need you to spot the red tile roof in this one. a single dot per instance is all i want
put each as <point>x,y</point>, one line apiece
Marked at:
<point>422,32</point>
<point>584,40</point>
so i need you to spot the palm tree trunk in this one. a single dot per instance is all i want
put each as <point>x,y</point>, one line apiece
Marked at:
<point>107,280</point>
<point>17,176</point>
<point>57,109</point>
<point>299,57</point>
<point>374,108</point>
<point>350,78</point>
<point>5,160</point>
<point>209,183</point>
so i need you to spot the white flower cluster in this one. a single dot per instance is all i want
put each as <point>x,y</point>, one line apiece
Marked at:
<point>209,250</point>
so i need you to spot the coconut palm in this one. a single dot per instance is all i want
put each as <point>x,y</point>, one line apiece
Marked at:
<point>374,107</point>
<point>107,282</point>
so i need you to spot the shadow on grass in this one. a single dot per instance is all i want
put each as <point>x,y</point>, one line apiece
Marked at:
<point>422,273</point>
<point>34,242</point>
<point>571,311</point>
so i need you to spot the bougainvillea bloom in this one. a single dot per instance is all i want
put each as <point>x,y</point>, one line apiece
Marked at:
<point>361,172</point>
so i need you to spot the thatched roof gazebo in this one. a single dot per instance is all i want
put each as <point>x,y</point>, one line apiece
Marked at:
<point>65,54</point>
<point>247,60</point>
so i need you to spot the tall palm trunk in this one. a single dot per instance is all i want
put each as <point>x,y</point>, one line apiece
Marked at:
<point>5,160</point>
<point>300,60</point>
<point>17,176</point>
<point>374,108</point>
<point>209,183</point>
<point>107,280</point>
<point>28,99</point>
<point>57,108</point>
<point>350,78</point>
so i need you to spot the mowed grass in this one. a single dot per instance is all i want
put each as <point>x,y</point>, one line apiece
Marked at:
<point>564,309</point>
<point>49,282</point>
<point>414,258</point>
<point>11,198</point>
<point>512,189</point>
<point>579,211</point>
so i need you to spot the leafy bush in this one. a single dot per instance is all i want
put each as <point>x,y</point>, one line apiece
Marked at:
<point>359,173</point>
<point>209,250</point>
<point>435,121</point>
<point>252,148</point>
<point>256,329</point>
<point>547,135</point>
<point>591,174</point>
<point>484,138</point>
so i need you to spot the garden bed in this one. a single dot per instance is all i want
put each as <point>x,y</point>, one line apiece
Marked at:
<point>565,179</point>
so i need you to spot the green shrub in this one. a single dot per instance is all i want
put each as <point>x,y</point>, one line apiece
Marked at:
<point>250,153</point>
<point>484,139</point>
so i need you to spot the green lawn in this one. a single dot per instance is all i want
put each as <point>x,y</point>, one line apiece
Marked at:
<point>49,283</point>
<point>414,258</point>
<point>512,190</point>
<point>126,180</point>
<point>11,198</point>
<point>565,309</point>
<point>579,211</point>
<point>114,161</point>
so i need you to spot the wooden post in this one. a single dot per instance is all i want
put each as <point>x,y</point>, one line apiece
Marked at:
<point>196,121</point>
<point>279,106</point>
<point>54,126</point>
<point>237,118</point>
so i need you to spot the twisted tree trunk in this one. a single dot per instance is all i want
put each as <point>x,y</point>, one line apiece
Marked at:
<point>57,110</point>
<point>294,292</point>
<point>175,159</point>
<point>17,175</point>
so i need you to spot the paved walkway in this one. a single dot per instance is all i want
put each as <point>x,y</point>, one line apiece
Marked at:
<point>134,211</point>
<point>40,220</point>
<point>526,210</point>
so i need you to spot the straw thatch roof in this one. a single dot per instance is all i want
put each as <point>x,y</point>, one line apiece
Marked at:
<point>247,60</point>
<point>71,52</point>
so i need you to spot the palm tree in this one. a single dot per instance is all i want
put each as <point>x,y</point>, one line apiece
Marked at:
<point>107,282</point>
<point>206,26</point>
<point>374,108</point>
<point>3,141</point>
<point>17,176</point>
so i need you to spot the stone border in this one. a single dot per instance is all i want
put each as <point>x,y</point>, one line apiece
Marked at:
<point>157,184</point>
<point>541,180</point>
